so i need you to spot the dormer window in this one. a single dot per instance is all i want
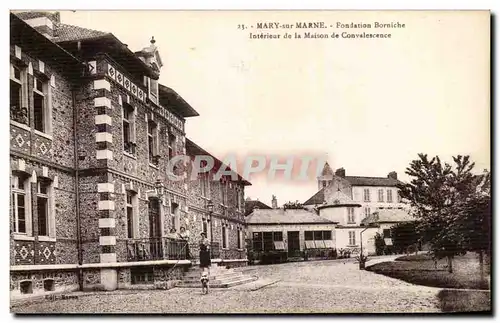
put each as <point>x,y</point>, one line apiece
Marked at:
<point>153,90</point>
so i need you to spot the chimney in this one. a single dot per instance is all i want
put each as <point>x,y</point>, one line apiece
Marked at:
<point>340,172</point>
<point>44,22</point>
<point>274,202</point>
<point>392,175</point>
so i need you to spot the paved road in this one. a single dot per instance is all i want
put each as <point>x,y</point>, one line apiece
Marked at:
<point>307,287</point>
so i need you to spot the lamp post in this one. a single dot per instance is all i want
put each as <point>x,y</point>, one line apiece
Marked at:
<point>210,207</point>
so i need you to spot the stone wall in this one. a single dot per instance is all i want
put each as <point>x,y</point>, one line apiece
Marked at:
<point>63,281</point>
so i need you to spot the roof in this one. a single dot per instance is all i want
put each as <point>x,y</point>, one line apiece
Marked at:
<point>65,32</point>
<point>339,199</point>
<point>172,100</point>
<point>22,34</point>
<point>318,198</point>
<point>388,216</point>
<point>372,181</point>
<point>281,216</point>
<point>193,149</point>
<point>250,205</point>
<point>327,170</point>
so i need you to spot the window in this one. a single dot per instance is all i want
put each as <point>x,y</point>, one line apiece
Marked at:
<point>224,237</point>
<point>153,143</point>
<point>366,195</point>
<point>239,238</point>
<point>153,90</point>
<point>324,184</point>
<point>387,233</point>
<point>367,211</point>
<point>400,199</point>
<point>18,95</point>
<point>204,184</point>
<point>268,241</point>
<point>327,235</point>
<point>130,205</point>
<point>350,215</point>
<point>48,285</point>
<point>352,238</point>
<point>389,196</point>
<point>223,192</point>
<point>278,236</point>
<point>128,129</point>
<point>39,105</point>
<point>204,227</point>
<point>171,145</point>
<point>42,202</point>
<point>381,195</point>
<point>20,188</point>
<point>26,287</point>
<point>238,198</point>
<point>317,235</point>
<point>174,208</point>
<point>257,242</point>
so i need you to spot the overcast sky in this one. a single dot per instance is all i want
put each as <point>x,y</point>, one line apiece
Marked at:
<point>369,106</point>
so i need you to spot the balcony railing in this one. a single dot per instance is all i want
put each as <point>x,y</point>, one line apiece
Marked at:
<point>156,249</point>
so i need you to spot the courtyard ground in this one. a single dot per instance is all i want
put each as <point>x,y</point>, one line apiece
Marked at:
<point>334,286</point>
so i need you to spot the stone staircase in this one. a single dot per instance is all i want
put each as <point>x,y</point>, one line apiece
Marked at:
<point>220,277</point>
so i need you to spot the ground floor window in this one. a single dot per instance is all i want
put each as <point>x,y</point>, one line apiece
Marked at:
<point>143,275</point>
<point>266,241</point>
<point>352,238</point>
<point>318,239</point>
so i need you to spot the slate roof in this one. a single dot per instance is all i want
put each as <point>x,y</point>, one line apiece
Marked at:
<point>250,205</point>
<point>65,32</point>
<point>192,149</point>
<point>317,198</point>
<point>387,216</point>
<point>174,101</point>
<point>290,216</point>
<point>327,170</point>
<point>372,181</point>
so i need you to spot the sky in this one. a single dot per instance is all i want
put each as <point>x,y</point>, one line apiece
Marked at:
<point>369,106</point>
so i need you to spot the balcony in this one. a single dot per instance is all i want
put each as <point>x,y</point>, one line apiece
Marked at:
<point>215,252</point>
<point>156,249</point>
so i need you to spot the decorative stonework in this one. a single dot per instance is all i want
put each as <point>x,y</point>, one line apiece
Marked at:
<point>46,253</point>
<point>24,253</point>
<point>140,94</point>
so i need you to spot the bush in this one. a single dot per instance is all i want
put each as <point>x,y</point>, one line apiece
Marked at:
<point>421,257</point>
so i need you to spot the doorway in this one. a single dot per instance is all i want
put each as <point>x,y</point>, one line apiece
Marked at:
<point>293,244</point>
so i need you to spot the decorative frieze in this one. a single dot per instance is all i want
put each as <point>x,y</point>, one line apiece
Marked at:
<point>140,94</point>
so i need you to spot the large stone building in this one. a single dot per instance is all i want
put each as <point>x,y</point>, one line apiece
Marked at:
<point>92,133</point>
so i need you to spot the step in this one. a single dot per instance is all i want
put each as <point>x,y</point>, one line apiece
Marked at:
<point>216,281</point>
<point>240,281</point>
<point>212,275</point>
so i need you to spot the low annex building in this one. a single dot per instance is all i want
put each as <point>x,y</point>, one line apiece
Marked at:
<point>289,230</point>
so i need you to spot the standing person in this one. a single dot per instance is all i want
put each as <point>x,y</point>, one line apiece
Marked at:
<point>184,236</point>
<point>204,244</point>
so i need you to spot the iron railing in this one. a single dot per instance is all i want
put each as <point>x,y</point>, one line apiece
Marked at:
<point>156,249</point>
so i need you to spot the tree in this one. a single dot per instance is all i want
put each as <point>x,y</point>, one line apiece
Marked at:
<point>404,235</point>
<point>434,193</point>
<point>473,219</point>
<point>293,205</point>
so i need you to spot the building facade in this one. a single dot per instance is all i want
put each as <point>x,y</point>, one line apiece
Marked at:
<point>361,206</point>
<point>95,193</point>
